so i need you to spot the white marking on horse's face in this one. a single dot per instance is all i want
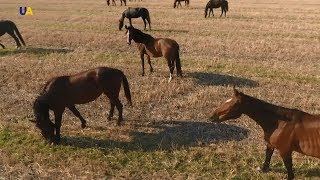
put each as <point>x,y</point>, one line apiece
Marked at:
<point>170,78</point>
<point>128,37</point>
<point>228,100</point>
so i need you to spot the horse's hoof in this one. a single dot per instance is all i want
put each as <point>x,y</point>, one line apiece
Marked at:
<point>83,126</point>
<point>109,118</point>
<point>263,169</point>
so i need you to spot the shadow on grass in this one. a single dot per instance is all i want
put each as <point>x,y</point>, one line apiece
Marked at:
<point>170,30</point>
<point>211,79</point>
<point>306,172</point>
<point>171,136</point>
<point>34,50</point>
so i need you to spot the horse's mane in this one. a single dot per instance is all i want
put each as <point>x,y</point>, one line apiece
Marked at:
<point>284,113</point>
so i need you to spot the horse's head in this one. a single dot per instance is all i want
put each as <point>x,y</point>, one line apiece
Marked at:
<point>130,33</point>
<point>41,112</point>
<point>230,109</point>
<point>120,24</point>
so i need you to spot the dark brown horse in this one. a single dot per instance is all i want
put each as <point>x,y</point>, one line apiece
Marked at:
<point>9,27</point>
<point>114,3</point>
<point>135,13</point>
<point>84,87</point>
<point>285,129</point>
<point>186,3</point>
<point>155,47</point>
<point>216,4</point>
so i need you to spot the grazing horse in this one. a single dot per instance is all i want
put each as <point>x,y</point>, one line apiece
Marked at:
<point>285,129</point>
<point>155,47</point>
<point>9,27</point>
<point>114,3</point>
<point>135,13</point>
<point>186,3</point>
<point>84,87</point>
<point>216,4</point>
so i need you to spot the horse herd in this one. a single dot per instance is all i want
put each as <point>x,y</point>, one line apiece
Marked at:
<point>285,129</point>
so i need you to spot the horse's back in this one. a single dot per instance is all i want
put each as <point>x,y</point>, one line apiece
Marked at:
<point>168,43</point>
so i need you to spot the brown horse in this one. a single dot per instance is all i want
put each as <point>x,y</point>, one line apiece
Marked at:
<point>285,129</point>
<point>216,4</point>
<point>155,47</point>
<point>114,3</point>
<point>84,87</point>
<point>186,3</point>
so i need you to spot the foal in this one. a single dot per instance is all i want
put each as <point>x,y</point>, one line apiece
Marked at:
<point>216,4</point>
<point>135,13</point>
<point>285,129</point>
<point>155,47</point>
<point>84,87</point>
<point>9,27</point>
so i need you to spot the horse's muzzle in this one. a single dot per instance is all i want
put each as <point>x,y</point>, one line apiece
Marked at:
<point>215,119</point>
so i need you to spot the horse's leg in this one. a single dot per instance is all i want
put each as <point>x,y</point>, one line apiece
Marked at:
<point>171,68</point>
<point>266,165</point>
<point>130,22</point>
<point>115,100</point>
<point>221,11</point>
<point>57,120</point>
<point>2,46</point>
<point>110,115</point>
<point>142,62</point>
<point>11,33</point>
<point>75,111</point>
<point>113,3</point>
<point>145,23</point>
<point>125,2</point>
<point>120,109</point>
<point>211,9</point>
<point>287,160</point>
<point>149,61</point>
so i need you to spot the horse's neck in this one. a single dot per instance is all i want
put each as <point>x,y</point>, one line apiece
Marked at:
<point>123,16</point>
<point>145,39</point>
<point>267,115</point>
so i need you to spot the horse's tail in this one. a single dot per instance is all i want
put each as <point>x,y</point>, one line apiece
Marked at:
<point>126,88</point>
<point>18,34</point>
<point>178,63</point>
<point>226,5</point>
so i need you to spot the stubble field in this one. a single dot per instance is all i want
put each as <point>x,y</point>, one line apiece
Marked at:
<point>269,50</point>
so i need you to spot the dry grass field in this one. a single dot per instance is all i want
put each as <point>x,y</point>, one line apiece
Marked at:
<point>268,49</point>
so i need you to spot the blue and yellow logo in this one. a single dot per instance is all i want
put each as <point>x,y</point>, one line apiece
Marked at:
<point>24,11</point>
